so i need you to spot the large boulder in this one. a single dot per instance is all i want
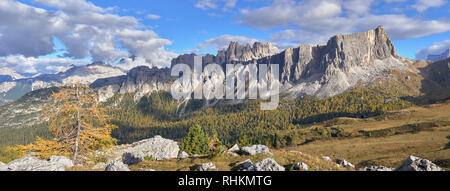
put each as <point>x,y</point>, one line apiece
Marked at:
<point>117,166</point>
<point>268,165</point>
<point>206,167</point>
<point>376,168</point>
<point>413,163</point>
<point>255,149</point>
<point>344,163</point>
<point>157,148</point>
<point>3,167</point>
<point>32,163</point>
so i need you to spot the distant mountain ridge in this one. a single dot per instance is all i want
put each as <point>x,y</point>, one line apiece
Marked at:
<point>14,89</point>
<point>7,75</point>
<point>438,57</point>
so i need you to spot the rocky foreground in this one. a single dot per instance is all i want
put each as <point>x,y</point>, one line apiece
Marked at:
<point>157,148</point>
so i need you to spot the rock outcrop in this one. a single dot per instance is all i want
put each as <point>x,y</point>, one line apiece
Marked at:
<point>326,158</point>
<point>32,163</point>
<point>264,165</point>
<point>268,165</point>
<point>246,165</point>
<point>156,148</point>
<point>376,168</point>
<point>413,163</point>
<point>344,163</point>
<point>183,155</point>
<point>141,80</point>
<point>3,167</point>
<point>117,166</point>
<point>233,151</point>
<point>255,149</point>
<point>206,167</point>
<point>300,166</point>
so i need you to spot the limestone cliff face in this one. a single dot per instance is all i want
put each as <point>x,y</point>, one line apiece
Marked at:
<point>319,70</point>
<point>141,80</point>
<point>234,53</point>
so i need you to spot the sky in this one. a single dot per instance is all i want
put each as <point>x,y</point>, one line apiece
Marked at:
<point>45,36</point>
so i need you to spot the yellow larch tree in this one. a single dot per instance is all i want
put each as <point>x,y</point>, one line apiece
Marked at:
<point>78,122</point>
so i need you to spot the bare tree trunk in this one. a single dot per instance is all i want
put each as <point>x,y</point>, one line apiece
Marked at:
<point>75,155</point>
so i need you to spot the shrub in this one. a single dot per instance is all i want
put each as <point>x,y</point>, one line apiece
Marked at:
<point>196,141</point>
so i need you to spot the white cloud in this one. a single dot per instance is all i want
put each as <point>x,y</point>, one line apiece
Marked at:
<point>314,21</point>
<point>436,48</point>
<point>422,5</point>
<point>215,4</point>
<point>223,41</point>
<point>358,7</point>
<point>153,17</point>
<point>71,5</point>
<point>85,30</point>
<point>23,64</point>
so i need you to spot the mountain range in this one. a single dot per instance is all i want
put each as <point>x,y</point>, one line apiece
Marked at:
<point>13,86</point>
<point>366,58</point>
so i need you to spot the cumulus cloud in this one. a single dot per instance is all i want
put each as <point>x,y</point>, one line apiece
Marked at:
<point>436,48</point>
<point>84,29</point>
<point>422,5</point>
<point>314,21</point>
<point>223,41</point>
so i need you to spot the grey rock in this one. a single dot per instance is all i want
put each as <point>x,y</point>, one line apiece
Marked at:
<point>117,166</point>
<point>301,166</point>
<point>246,165</point>
<point>268,165</point>
<point>60,160</point>
<point>206,167</point>
<point>101,165</point>
<point>131,158</point>
<point>32,163</point>
<point>413,163</point>
<point>183,155</point>
<point>233,150</point>
<point>255,149</point>
<point>3,167</point>
<point>141,80</point>
<point>344,163</point>
<point>326,158</point>
<point>157,147</point>
<point>376,168</point>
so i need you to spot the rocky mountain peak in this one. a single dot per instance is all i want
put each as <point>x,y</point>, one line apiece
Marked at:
<point>238,52</point>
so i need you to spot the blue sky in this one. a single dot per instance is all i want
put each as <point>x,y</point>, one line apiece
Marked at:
<point>172,27</point>
<point>187,26</point>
